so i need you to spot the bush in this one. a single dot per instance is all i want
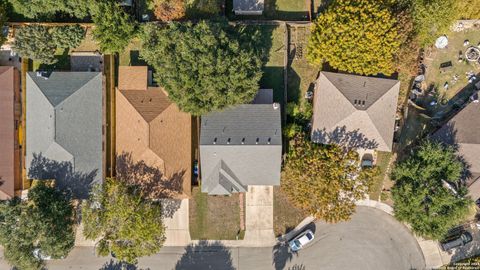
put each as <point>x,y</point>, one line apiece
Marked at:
<point>169,10</point>
<point>68,36</point>
<point>35,42</point>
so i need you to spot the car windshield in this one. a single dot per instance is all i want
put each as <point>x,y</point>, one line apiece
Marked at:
<point>297,243</point>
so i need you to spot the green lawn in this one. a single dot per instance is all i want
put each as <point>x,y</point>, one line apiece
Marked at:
<point>196,9</point>
<point>214,217</point>
<point>62,64</point>
<point>286,9</point>
<point>272,40</point>
<point>131,55</point>
<point>301,75</point>
<point>285,215</point>
<point>383,159</point>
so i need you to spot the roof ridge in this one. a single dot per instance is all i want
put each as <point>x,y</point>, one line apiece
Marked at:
<point>39,89</point>
<point>340,93</point>
<point>76,91</point>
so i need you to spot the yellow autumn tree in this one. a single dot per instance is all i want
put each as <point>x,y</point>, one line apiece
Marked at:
<point>325,181</point>
<point>357,36</point>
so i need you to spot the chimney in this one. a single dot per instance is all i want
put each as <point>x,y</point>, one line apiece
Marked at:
<point>276,106</point>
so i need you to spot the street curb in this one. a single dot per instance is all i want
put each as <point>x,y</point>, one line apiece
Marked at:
<point>296,230</point>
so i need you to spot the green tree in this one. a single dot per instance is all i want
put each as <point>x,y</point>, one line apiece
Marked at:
<point>35,42</point>
<point>48,8</point>
<point>69,36</point>
<point>114,28</point>
<point>204,67</point>
<point>358,36</point>
<point>421,195</point>
<point>324,180</point>
<point>3,20</point>
<point>432,18</point>
<point>44,221</point>
<point>126,223</point>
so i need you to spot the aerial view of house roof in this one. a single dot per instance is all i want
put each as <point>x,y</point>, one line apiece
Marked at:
<point>248,7</point>
<point>462,132</point>
<point>9,159</point>
<point>240,146</point>
<point>355,110</point>
<point>64,125</point>
<point>152,129</point>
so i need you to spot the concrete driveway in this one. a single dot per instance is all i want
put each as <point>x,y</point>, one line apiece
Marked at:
<point>176,220</point>
<point>372,239</point>
<point>259,216</point>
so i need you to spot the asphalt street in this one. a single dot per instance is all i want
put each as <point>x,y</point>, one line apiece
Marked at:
<point>370,240</point>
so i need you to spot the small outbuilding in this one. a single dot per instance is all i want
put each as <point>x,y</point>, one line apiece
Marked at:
<point>248,7</point>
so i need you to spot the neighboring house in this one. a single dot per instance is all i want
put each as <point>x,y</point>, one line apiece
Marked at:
<point>355,111</point>
<point>463,132</point>
<point>10,110</point>
<point>248,7</point>
<point>152,129</point>
<point>65,139</point>
<point>240,147</point>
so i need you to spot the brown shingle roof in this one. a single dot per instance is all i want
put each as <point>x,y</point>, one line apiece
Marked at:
<point>355,110</point>
<point>9,167</point>
<point>149,103</point>
<point>132,77</point>
<point>152,129</point>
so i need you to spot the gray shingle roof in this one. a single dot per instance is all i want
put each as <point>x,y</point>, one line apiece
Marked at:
<point>64,121</point>
<point>463,131</point>
<point>355,110</point>
<point>227,165</point>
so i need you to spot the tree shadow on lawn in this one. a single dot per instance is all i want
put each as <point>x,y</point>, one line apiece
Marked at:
<point>205,255</point>
<point>282,253</point>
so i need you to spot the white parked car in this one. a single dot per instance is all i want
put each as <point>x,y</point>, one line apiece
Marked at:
<point>301,240</point>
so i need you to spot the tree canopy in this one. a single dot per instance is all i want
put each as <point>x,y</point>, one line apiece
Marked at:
<point>127,224</point>
<point>35,42</point>
<point>48,8</point>
<point>114,28</point>
<point>421,195</point>
<point>3,20</point>
<point>40,42</point>
<point>324,180</point>
<point>204,67</point>
<point>358,36</point>
<point>44,221</point>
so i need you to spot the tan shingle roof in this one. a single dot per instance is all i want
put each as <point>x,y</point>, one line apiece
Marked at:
<point>355,110</point>
<point>152,129</point>
<point>132,77</point>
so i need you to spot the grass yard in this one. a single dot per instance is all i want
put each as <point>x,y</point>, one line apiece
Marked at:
<point>203,9</point>
<point>436,78</point>
<point>301,75</point>
<point>285,216</point>
<point>294,10</point>
<point>272,38</point>
<point>88,44</point>
<point>383,158</point>
<point>62,64</point>
<point>131,55</point>
<point>214,217</point>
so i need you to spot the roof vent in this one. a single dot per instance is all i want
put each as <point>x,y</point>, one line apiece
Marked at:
<point>355,102</point>
<point>243,141</point>
<point>215,140</point>
<point>276,105</point>
<point>228,141</point>
<point>364,83</point>
<point>256,141</point>
<point>269,140</point>
<point>363,102</point>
